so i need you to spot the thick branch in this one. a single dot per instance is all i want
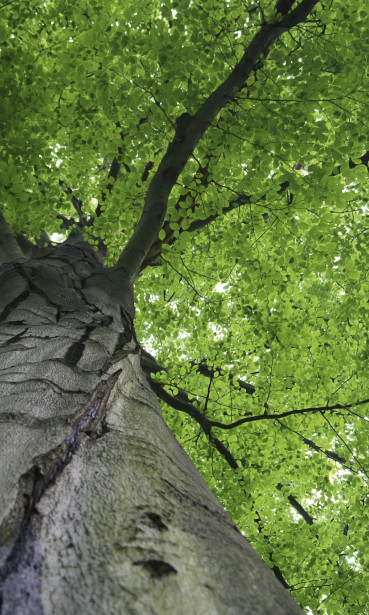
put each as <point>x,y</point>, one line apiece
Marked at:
<point>241,200</point>
<point>189,131</point>
<point>182,403</point>
<point>207,424</point>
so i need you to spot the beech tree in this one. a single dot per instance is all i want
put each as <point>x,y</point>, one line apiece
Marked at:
<point>184,219</point>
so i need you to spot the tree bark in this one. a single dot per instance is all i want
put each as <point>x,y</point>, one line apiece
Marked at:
<point>101,510</point>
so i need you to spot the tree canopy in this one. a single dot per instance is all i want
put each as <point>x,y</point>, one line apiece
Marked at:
<point>253,297</point>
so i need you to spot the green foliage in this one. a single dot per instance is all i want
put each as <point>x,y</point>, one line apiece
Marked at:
<point>273,292</point>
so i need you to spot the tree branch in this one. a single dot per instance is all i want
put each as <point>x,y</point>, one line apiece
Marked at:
<point>242,199</point>
<point>181,402</point>
<point>209,372</point>
<point>266,417</point>
<point>223,450</point>
<point>189,131</point>
<point>330,454</point>
<point>150,365</point>
<point>276,570</point>
<point>298,507</point>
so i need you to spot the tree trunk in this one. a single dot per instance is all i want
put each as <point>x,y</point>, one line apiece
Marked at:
<point>101,511</point>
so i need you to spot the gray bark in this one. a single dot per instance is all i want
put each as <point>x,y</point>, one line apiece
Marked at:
<point>101,510</point>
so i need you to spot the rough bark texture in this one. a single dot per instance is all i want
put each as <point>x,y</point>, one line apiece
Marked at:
<point>101,511</point>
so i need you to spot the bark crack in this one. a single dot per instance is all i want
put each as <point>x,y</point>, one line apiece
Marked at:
<point>13,305</point>
<point>87,422</point>
<point>24,545</point>
<point>75,351</point>
<point>15,338</point>
<point>33,422</point>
